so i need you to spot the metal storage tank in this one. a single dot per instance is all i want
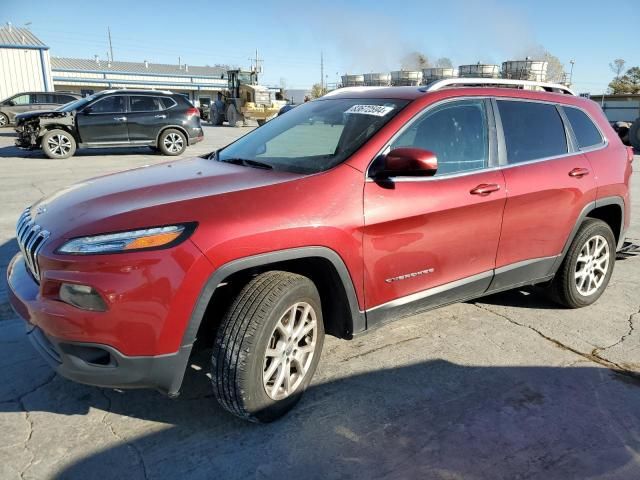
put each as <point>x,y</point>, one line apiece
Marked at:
<point>24,62</point>
<point>437,73</point>
<point>406,78</point>
<point>528,69</point>
<point>479,70</point>
<point>377,79</point>
<point>352,80</point>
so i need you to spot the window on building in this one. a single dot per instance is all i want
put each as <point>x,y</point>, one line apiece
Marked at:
<point>112,104</point>
<point>455,132</point>
<point>585,131</point>
<point>531,130</point>
<point>144,103</point>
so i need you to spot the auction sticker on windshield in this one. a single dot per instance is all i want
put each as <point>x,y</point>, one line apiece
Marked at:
<point>377,110</point>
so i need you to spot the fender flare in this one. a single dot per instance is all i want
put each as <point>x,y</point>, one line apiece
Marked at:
<point>175,127</point>
<point>600,202</point>
<point>197,314</point>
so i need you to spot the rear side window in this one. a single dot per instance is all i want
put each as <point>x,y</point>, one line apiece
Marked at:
<point>64,98</point>
<point>455,132</point>
<point>167,102</point>
<point>144,103</point>
<point>583,128</point>
<point>531,130</point>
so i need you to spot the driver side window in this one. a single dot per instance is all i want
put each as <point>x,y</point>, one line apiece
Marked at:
<point>456,132</point>
<point>113,104</point>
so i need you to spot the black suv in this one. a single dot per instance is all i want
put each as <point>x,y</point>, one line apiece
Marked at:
<point>161,120</point>
<point>28,101</point>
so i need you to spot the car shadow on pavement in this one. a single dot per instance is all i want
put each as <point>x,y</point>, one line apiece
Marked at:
<point>433,419</point>
<point>13,152</point>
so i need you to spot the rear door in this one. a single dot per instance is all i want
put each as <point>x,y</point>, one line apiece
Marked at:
<point>433,240</point>
<point>548,180</point>
<point>104,121</point>
<point>146,118</point>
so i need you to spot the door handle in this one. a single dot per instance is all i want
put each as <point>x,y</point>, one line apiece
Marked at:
<point>161,116</point>
<point>485,189</point>
<point>120,119</point>
<point>579,172</point>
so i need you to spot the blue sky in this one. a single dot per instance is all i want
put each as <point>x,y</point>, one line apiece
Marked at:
<point>356,36</point>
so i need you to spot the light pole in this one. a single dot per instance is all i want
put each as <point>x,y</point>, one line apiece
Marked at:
<point>572,62</point>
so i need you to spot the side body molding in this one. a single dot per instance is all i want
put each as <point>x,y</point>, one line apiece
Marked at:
<point>357,317</point>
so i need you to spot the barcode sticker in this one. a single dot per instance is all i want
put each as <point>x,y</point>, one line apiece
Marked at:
<point>376,110</point>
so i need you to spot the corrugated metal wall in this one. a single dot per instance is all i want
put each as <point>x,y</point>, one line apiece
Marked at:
<point>24,70</point>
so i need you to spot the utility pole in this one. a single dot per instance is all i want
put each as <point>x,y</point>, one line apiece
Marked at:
<point>255,63</point>
<point>321,71</point>
<point>110,45</point>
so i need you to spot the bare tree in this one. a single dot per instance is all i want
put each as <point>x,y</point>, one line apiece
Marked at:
<point>444,62</point>
<point>414,61</point>
<point>617,67</point>
<point>555,68</point>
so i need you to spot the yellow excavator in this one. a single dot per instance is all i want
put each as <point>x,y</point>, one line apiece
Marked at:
<point>244,100</point>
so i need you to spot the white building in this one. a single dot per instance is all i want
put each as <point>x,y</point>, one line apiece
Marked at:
<point>85,76</point>
<point>24,62</point>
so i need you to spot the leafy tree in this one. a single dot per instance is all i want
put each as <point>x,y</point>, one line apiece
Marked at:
<point>317,91</point>
<point>628,83</point>
<point>555,68</point>
<point>444,62</point>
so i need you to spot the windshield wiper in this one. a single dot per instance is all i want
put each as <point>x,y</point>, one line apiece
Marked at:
<point>247,163</point>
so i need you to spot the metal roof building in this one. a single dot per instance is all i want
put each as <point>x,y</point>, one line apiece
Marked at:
<point>86,76</point>
<point>24,62</point>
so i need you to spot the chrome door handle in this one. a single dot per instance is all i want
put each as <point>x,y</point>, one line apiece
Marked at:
<point>120,119</point>
<point>579,172</point>
<point>485,189</point>
<point>161,116</point>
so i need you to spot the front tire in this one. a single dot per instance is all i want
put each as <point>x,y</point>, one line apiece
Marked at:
<point>172,142</point>
<point>587,267</point>
<point>268,346</point>
<point>58,144</point>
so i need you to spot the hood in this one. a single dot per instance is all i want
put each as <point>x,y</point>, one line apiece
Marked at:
<point>40,114</point>
<point>162,194</point>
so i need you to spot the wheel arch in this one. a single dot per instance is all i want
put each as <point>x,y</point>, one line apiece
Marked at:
<point>608,209</point>
<point>172,127</point>
<point>342,316</point>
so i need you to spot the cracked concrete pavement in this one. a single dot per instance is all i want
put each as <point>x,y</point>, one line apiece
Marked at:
<point>508,386</point>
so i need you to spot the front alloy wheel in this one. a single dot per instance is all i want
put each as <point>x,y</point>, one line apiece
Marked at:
<point>267,346</point>
<point>290,351</point>
<point>58,144</point>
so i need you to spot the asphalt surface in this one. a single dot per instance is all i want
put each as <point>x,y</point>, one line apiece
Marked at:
<point>509,386</point>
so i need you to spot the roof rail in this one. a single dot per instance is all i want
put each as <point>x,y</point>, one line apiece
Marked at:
<point>488,82</point>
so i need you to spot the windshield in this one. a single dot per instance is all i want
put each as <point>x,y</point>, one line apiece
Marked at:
<point>313,137</point>
<point>69,107</point>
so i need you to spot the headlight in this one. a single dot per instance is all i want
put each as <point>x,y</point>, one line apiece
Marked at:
<point>147,238</point>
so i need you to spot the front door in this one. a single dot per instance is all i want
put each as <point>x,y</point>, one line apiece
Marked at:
<point>548,184</point>
<point>433,240</point>
<point>104,121</point>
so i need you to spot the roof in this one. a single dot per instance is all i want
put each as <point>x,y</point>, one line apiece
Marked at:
<point>90,65</point>
<point>11,36</point>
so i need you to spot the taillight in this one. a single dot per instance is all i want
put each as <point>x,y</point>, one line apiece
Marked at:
<point>630,154</point>
<point>193,111</point>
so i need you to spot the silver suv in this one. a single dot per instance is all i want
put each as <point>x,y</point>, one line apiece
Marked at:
<point>27,101</point>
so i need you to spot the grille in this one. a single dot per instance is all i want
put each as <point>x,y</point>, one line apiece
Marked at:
<point>31,238</point>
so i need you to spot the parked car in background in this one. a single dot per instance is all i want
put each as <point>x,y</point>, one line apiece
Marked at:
<point>361,207</point>
<point>162,120</point>
<point>27,101</point>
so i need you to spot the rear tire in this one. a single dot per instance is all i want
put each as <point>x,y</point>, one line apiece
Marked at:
<point>172,142</point>
<point>215,116</point>
<point>232,116</point>
<point>58,144</point>
<point>268,346</point>
<point>4,120</point>
<point>587,267</point>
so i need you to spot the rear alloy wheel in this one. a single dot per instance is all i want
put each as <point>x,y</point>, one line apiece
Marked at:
<point>587,266</point>
<point>4,120</point>
<point>172,142</point>
<point>268,346</point>
<point>58,144</point>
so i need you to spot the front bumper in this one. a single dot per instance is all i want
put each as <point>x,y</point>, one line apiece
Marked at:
<point>52,326</point>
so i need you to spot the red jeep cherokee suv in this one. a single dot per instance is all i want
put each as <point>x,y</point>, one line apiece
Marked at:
<point>361,207</point>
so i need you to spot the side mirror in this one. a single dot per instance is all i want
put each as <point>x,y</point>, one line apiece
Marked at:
<point>410,162</point>
<point>261,149</point>
<point>87,110</point>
